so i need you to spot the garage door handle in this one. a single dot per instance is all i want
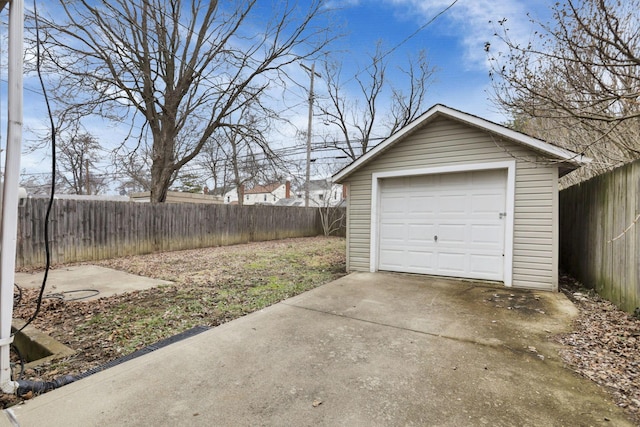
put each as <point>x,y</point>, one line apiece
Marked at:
<point>435,238</point>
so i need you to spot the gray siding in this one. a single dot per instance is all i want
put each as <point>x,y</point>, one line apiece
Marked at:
<point>446,142</point>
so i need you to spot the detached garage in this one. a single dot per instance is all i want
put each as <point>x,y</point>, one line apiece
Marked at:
<point>455,195</point>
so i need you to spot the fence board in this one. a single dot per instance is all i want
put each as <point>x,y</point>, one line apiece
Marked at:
<point>594,247</point>
<point>86,230</point>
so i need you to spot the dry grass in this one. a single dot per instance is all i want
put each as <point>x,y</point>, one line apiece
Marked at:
<point>210,286</point>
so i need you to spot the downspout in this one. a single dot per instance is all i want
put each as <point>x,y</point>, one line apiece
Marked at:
<point>9,221</point>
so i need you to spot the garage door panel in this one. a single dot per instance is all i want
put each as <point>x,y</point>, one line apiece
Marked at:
<point>485,267</point>
<point>420,259</point>
<point>486,203</point>
<point>422,204</point>
<point>393,232</point>
<point>453,205</point>
<point>394,184</point>
<point>393,259</point>
<point>419,182</point>
<point>461,209</point>
<point>452,233</point>
<point>397,260</point>
<point>420,232</point>
<point>486,178</point>
<point>487,234</point>
<point>452,181</point>
<point>451,262</point>
<point>394,204</point>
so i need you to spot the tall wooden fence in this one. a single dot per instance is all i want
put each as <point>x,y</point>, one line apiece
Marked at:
<point>86,230</point>
<point>600,234</point>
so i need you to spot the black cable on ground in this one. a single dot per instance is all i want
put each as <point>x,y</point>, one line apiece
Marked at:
<point>53,172</point>
<point>63,295</point>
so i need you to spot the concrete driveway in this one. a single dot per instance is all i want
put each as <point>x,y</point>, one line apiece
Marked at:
<point>366,350</point>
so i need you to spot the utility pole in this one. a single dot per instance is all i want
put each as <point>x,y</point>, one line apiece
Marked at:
<point>313,73</point>
<point>86,177</point>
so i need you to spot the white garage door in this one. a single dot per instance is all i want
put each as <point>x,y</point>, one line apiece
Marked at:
<point>444,224</point>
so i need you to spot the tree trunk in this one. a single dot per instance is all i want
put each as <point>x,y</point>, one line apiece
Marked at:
<point>162,167</point>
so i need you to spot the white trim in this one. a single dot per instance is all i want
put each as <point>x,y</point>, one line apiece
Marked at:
<point>555,251</point>
<point>509,165</point>
<point>534,143</point>
<point>348,221</point>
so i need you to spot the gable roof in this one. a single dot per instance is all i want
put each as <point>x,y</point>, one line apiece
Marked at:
<point>291,201</point>
<point>569,159</point>
<point>260,189</point>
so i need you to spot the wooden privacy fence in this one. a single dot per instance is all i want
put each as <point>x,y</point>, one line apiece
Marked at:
<point>86,230</point>
<point>600,236</point>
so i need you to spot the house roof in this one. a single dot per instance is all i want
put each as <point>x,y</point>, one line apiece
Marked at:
<point>569,159</point>
<point>260,189</point>
<point>320,184</point>
<point>101,197</point>
<point>290,202</point>
<point>221,191</point>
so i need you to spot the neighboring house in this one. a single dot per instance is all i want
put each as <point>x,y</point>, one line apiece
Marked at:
<point>322,193</point>
<point>99,197</point>
<point>267,194</point>
<point>452,194</point>
<point>178,197</point>
<point>230,197</point>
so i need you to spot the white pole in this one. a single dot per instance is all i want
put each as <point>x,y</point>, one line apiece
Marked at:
<point>9,221</point>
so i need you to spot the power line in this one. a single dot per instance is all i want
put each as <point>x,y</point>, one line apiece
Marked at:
<point>405,40</point>
<point>284,87</point>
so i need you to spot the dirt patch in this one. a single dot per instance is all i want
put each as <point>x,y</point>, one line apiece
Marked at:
<point>604,346</point>
<point>210,286</point>
<point>523,302</point>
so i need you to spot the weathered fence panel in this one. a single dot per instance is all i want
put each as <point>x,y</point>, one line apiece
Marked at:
<point>86,230</point>
<point>600,237</point>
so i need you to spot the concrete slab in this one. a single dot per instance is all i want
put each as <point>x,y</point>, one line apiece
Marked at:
<point>366,350</point>
<point>87,282</point>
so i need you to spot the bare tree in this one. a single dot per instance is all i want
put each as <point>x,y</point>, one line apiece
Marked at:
<point>36,184</point>
<point>134,169</point>
<point>215,164</point>
<point>175,63</point>
<point>76,158</point>
<point>77,154</point>
<point>241,154</point>
<point>358,117</point>
<point>577,81</point>
<point>332,218</point>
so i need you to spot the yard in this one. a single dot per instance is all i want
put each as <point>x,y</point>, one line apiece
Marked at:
<point>216,285</point>
<point>211,286</point>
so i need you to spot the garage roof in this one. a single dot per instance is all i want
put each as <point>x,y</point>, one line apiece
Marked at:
<point>569,159</point>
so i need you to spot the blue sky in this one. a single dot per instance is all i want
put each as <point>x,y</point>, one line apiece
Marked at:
<point>454,43</point>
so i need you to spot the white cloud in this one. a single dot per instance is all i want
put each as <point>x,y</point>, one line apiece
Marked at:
<point>340,4</point>
<point>475,22</point>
